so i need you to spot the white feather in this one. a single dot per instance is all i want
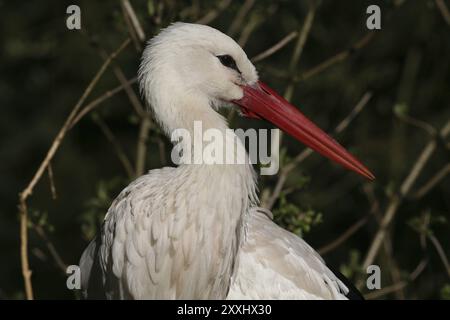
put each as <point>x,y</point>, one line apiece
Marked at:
<point>193,231</point>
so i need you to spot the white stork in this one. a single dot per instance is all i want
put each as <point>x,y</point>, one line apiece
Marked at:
<point>195,231</point>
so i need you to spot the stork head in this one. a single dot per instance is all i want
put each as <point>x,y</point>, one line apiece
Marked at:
<point>188,70</point>
<point>194,63</point>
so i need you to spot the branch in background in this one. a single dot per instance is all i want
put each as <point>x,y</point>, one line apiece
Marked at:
<point>99,100</point>
<point>430,184</point>
<point>132,96</point>
<point>440,251</point>
<point>400,285</point>
<point>344,236</point>
<point>298,49</point>
<point>134,26</point>
<point>134,19</point>
<point>240,17</point>
<point>398,198</point>
<point>253,22</point>
<point>23,196</point>
<point>444,10</point>
<point>51,180</point>
<point>374,211</point>
<point>145,120</point>
<point>275,48</point>
<point>428,128</point>
<point>51,248</point>
<point>336,58</point>
<point>121,155</point>
<point>212,14</point>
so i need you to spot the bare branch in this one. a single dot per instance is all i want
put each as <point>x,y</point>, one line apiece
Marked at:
<point>275,48</point>
<point>132,96</point>
<point>399,285</point>
<point>253,22</point>
<point>444,10</point>
<point>398,199</point>
<point>429,129</point>
<point>238,20</point>
<point>134,19</point>
<point>341,56</point>
<point>52,181</point>
<point>212,14</point>
<point>344,236</point>
<point>23,196</point>
<point>51,248</point>
<point>99,100</point>
<point>441,252</point>
<point>117,147</point>
<point>134,27</point>
<point>440,175</point>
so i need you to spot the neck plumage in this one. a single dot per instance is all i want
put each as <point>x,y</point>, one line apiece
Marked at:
<point>203,141</point>
<point>220,196</point>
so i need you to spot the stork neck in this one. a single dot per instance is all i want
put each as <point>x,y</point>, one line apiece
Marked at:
<point>202,138</point>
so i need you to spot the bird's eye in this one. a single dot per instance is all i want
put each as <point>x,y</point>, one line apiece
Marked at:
<point>228,62</point>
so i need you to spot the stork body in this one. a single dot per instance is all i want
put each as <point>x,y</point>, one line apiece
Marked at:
<point>194,231</point>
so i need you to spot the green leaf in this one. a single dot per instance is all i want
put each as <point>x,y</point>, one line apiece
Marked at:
<point>401,109</point>
<point>445,292</point>
<point>151,8</point>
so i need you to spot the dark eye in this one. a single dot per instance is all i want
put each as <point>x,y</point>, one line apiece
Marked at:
<point>228,62</point>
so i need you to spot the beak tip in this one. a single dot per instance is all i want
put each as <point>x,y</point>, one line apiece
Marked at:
<point>369,175</point>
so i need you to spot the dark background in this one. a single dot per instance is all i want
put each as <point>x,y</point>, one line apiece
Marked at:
<point>405,66</point>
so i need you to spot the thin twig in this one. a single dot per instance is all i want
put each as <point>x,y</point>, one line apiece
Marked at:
<point>212,14</point>
<point>52,180</point>
<point>134,27</point>
<point>344,236</point>
<point>441,252</point>
<point>121,155</point>
<point>430,184</point>
<point>373,211</point>
<point>399,285</point>
<point>341,56</point>
<point>51,248</point>
<point>134,20</point>
<point>132,96</point>
<point>298,49</point>
<point>253,22</point>
<point>275,48</point>
<point>99,100</point>
<point>23,196</point>
<point>26,272</point>
<point>240,17</point>
<point>398,198</point>
<point>444,10</point>
<point>428,128</point>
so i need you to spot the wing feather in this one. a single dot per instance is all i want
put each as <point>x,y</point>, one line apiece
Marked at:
<point>276,264</point>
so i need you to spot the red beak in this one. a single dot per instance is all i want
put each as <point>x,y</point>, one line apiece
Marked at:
<point>260,101</point>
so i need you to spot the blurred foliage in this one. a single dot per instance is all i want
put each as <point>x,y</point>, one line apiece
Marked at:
<point>445,292</point>
<point>406,65</point>
<point>97,206</point>
<point>353,268</point>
